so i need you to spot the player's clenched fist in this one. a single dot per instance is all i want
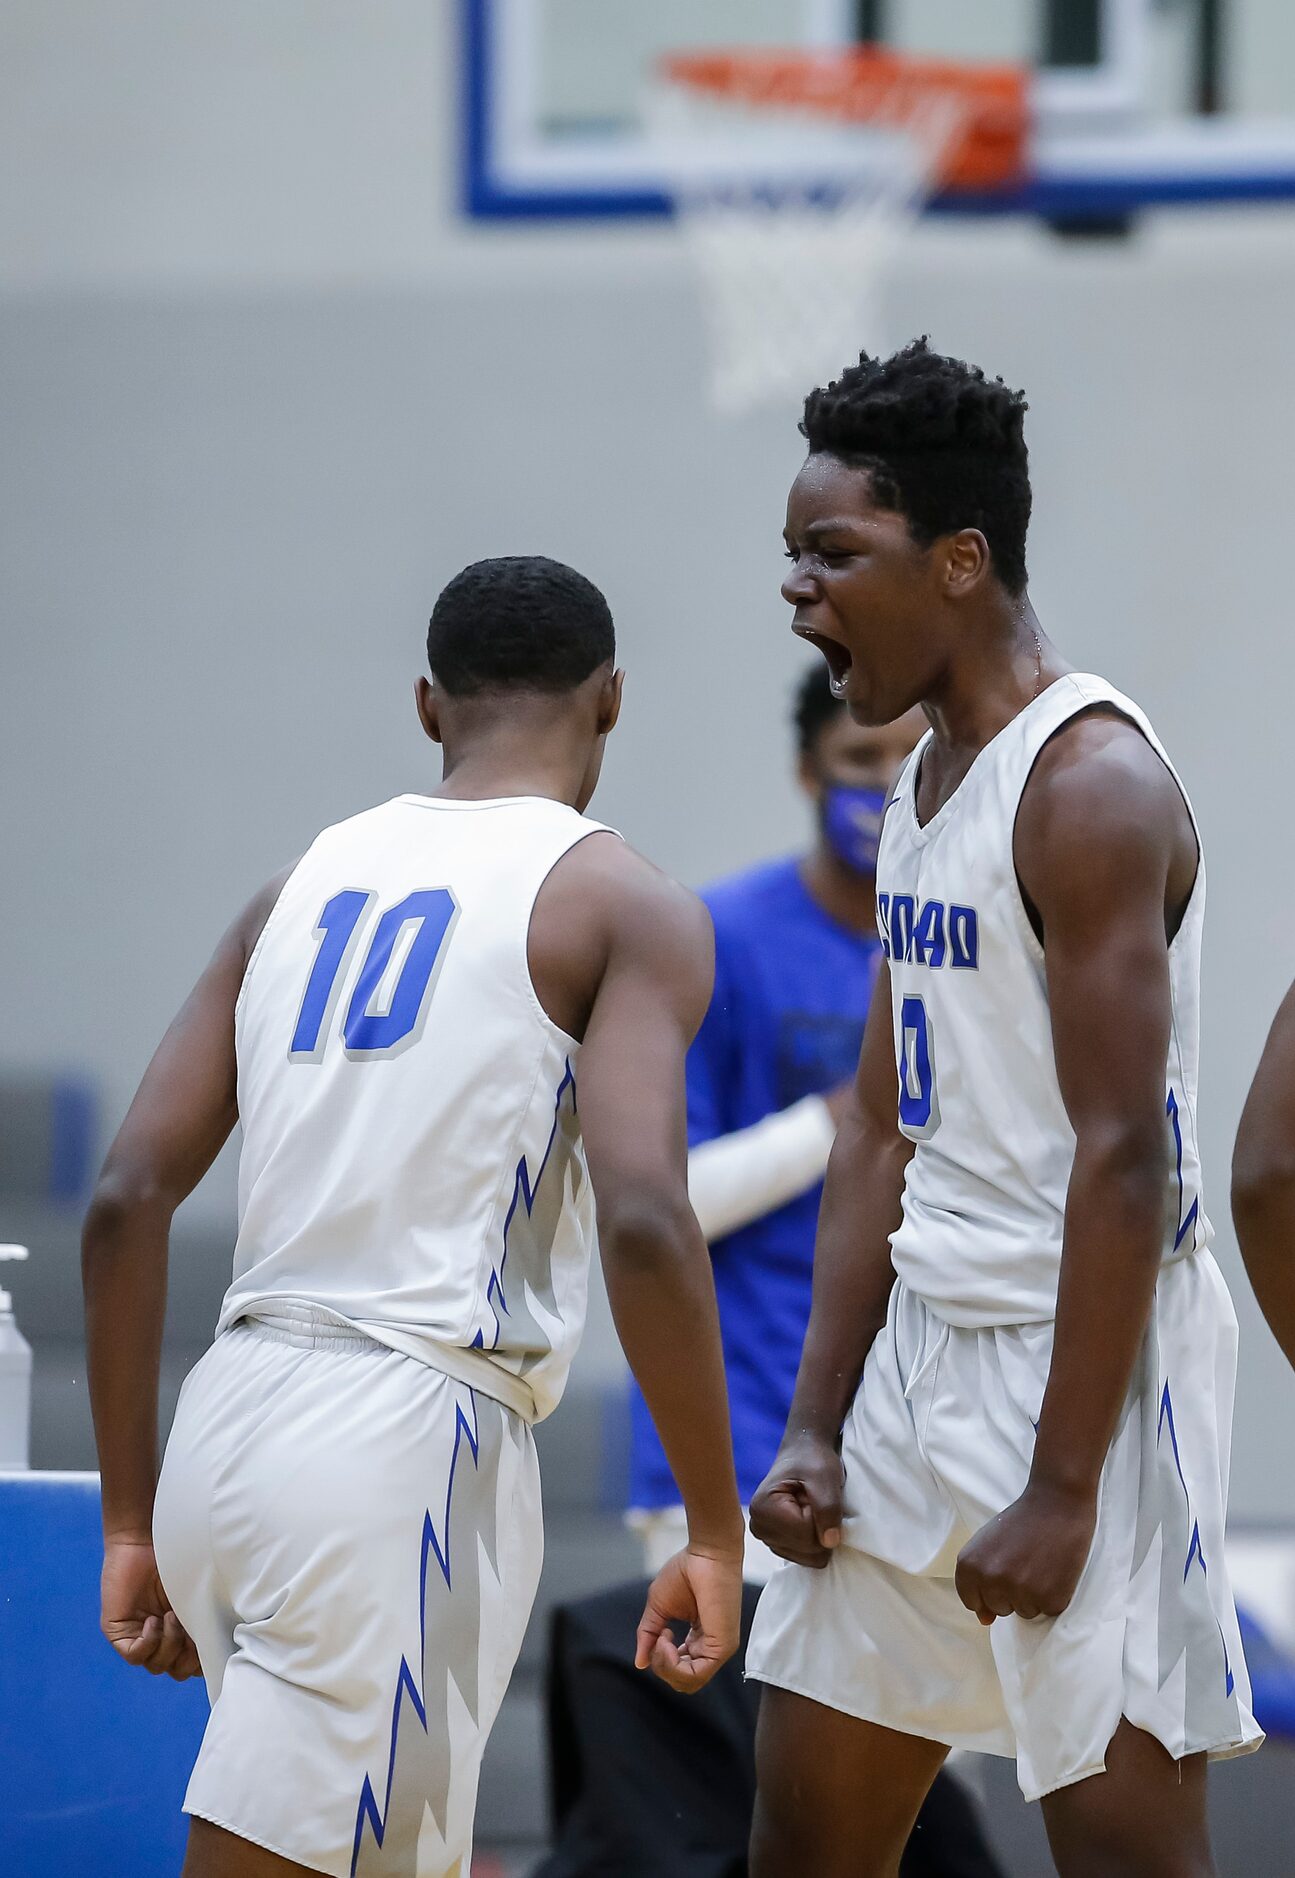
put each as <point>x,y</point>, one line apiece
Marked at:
<point>797,1508</point>
<point>1028,1560</point>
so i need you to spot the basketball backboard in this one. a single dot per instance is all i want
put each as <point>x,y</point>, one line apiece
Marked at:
<point>553,95</point>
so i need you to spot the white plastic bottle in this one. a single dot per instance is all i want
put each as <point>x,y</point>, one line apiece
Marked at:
<point>15,1381</point>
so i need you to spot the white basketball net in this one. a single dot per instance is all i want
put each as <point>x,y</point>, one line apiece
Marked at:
<point>791,219</point>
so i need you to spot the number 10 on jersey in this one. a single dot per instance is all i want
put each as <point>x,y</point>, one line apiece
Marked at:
<point>388,1006</point>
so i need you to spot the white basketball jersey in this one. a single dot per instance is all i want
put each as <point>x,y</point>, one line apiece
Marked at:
<point>985,1192</point>
<point>411,1159</point>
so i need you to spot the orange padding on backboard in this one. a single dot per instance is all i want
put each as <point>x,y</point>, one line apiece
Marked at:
<point>863,82</point>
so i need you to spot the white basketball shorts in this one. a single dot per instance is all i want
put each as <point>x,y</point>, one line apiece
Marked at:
<point>938,1441</point>
<point>353,1541</point>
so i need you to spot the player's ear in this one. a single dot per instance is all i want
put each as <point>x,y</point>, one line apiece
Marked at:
<point>428,705</point>
<point>968,564</point>
<point>609,701</point>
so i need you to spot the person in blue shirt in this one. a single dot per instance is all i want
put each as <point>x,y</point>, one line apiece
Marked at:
<point>796,954</point>
<point>646,1783</point>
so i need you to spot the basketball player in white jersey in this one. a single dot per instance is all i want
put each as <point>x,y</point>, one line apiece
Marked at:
<point>346,1532</point>
<point>1002,1486</point>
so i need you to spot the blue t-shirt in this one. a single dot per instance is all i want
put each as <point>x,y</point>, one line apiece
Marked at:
<point>792,989</point>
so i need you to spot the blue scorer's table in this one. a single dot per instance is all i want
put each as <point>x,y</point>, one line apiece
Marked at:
<point>94,1755</point>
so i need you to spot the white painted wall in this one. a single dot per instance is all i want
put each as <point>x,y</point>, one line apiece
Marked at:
<point>259,397</point>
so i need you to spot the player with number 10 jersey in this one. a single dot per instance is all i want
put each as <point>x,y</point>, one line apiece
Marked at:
<point>346,1534</point>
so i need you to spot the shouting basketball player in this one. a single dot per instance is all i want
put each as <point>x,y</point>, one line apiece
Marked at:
<point>346,1533</point>
<point>1002,1484</point>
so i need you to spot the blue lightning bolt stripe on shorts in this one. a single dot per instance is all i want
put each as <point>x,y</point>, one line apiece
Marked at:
<point>353,1540</point>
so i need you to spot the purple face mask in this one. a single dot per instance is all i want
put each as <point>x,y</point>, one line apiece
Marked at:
<point>852,824</point>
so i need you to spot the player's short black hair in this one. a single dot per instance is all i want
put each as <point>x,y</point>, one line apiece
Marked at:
<point>944,447</point>
<point>816,706</point>
<point>520,622</point>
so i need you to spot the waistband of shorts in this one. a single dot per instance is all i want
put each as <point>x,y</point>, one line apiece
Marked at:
<point>978,1317</point>
<point>306,1328</point>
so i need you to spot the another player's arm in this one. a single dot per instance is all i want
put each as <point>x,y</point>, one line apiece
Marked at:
<point>1103,844</point>
<point>181,1116</point>
<point>736,1178</point>
<point>797,1510</point>
<point>653,992</point>
<point>1263,1179</point>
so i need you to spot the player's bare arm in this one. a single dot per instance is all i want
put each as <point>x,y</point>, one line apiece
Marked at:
<point>1263,1179</point>
<point>797,1509</point>
<point>623,957</point>
<point>180,1119</point>
<point>1107,856</point>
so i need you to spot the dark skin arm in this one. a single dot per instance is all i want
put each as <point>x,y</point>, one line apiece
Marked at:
<point>797,1508</point>
<point>181,1117</point>
<point>1263,1179</point>
<point>606,919</point>
<point>1107,857</point>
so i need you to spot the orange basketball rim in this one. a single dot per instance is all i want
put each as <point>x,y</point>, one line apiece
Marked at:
<point>866,84</point>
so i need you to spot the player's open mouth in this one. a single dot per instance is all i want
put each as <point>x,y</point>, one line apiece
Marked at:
<point>839,661</point>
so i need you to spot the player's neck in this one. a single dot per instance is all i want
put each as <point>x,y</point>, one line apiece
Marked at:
<point>844,894</point>
<point>991,680</point>
<point>479,775</point>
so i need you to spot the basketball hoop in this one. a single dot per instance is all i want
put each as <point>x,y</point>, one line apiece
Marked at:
<point>796,176</point>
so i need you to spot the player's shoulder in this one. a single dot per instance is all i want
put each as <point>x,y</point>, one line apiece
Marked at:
<point>255,916</point>
<point>372,824</point>
<point>362,821</point>
<point>1099,769</point>
<point>1100,809</point>
<point>604,879</point>
<point>333,834</point>
<point>605,911</point>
